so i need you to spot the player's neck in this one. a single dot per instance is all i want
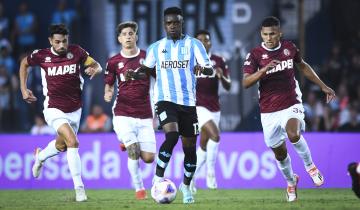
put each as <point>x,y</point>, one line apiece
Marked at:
<point>131,52</point>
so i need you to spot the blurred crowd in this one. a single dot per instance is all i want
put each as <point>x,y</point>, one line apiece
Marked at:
<point>340,71</point>
<point>18,36</point>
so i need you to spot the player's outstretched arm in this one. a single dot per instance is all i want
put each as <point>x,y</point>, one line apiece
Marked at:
<point>225,81</point>
<point>140,73</point>
<point>92,67</point>
<point>251,79</point>
<point>27,94</point>
<point>108,92</point>
<point>310,74</point>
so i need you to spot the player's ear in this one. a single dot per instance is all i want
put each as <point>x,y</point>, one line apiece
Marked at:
<point>118,38</point>
<point>50,40</point>
<point>136,37</point>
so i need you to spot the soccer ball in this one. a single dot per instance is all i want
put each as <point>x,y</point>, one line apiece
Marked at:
<point>164,191</point>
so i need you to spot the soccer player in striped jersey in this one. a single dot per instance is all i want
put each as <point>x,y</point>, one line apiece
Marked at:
<point>208,111</point>
<point>174,58</point>
<point>272,64</point>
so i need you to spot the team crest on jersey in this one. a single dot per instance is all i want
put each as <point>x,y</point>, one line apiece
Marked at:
<point>286,52</point>
<point>141,60</point>
<point>264,56</point>
<point>47,59</point>
<point>69,55</point>
<point>184,50</point>
<point>120,65</point>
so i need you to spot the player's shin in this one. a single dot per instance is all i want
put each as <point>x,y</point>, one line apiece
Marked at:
<point>286,170</point>
<point>165,151</point>
<point>200,160</point>
<point>189,163</point>
<point>303,150</point>
<point>212,151</point>
<point>134,170</point>
<point>74,162</point>
<point>48,152</point>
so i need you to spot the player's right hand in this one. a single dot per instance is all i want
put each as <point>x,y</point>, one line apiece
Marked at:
<point>108,96</point>
<point>197,70</point>
<point>28,96</point>
<point>129,74</point>
<point>271,65</point>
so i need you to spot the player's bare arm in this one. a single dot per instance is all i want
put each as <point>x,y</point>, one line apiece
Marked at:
<point>92,67</point>
<point>203,70</point>
<point>310,74</point>
<point>108,92</point>
<point>251,79</point>
<point>27,94</point>
<point>225,81</point>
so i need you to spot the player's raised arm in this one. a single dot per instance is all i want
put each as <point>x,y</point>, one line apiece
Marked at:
<point>27,94</point>
<point>310,74</point>
<point>251,79</point>
<point>92,67</point>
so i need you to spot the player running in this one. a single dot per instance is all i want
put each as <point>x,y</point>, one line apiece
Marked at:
<point>272,64</point>
<point>133,117</point>
<point>208,111</point>
<point>175,57</point>
<point>61,66</point>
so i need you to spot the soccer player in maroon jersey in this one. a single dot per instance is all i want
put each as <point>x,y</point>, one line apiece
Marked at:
<point>208,111</point>
<point>61,66</point>
<point>272,64</point>
<point>132,110</point>
<point>354,172</point>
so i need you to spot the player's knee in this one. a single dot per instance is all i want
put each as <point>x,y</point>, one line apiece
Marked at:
<point>133,151</point>
<point>148,158</point>
<point>61,146</point>
<point>293,136</point>
<point>172,138</point>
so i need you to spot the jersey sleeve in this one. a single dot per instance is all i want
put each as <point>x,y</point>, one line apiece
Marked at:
<point>200,54</point>
<point>250,64</point>
<point>150,59</point>
<point>34,58</point>
<point>110,73</point>
<point>224,67</point>
<point>83,54</point>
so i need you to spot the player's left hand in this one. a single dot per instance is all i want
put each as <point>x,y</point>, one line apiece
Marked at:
<point>219,72</point>
<point>330,93</point>
<point>91,71</point>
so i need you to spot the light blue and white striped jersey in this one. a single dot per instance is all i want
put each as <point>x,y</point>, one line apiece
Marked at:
<point>175,78</point>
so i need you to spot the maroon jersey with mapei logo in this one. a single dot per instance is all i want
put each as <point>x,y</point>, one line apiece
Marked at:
<point>61,76</point>
<point>279,88</point>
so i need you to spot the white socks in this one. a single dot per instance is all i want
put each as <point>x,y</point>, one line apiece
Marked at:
<point>133,166</point>
<point>286,169</point>
<point>302,149</point>
<point>212,148</point>
<point>74,162</point>
<point>200,160</point>
<point>49,151</point>
<point>358,168</point>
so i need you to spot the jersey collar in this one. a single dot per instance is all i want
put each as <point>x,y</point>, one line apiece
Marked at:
<point>53,51</point>
<point>130,56</point>
<point>268,49</point>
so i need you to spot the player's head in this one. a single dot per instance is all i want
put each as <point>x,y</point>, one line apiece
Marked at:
<point>270,32</point>
<point>173,22</point>
<point>205,38</point>
<point>126,33</point>
<point>59,38</point>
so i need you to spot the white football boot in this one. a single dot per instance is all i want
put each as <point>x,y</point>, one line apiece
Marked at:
<point>187,195</point>
<point>291,190</point>
<point>211,181</point>
<point>316,176</point>
<point>80,194</point>
<point>36,169</point>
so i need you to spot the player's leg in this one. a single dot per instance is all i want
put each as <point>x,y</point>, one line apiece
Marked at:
<point>354,172</point>
<point>201,159</point>
<point>168,117</point>
<point>211,153</point>
<point>284,164</point>
<point>274,137</point>
<point>189,129</point>
<point>294,125</point>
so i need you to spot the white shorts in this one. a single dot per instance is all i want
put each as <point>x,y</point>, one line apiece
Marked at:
<point>205,115</point>
<point>131,130</point>
<point>55,118</point>
<point>274,124</point>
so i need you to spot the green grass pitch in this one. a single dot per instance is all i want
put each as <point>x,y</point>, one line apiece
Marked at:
<point>204,199</point>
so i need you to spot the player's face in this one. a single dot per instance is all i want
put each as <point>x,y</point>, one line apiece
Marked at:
<point>205,40</point>
<point>60,43</point>
<point>127,38</point>
<point>271,36</point>
<point>173,26</point>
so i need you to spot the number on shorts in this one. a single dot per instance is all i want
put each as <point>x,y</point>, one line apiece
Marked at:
<point>196,128</point>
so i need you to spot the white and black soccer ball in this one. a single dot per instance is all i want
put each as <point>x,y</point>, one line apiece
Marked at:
<point>164,191</point>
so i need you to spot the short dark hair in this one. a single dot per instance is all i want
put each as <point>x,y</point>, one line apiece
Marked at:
<point>58,29</point>
<point>126,24</point>
<point>202,31</point>
<point>173,11</point>
<point>270,21</point>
